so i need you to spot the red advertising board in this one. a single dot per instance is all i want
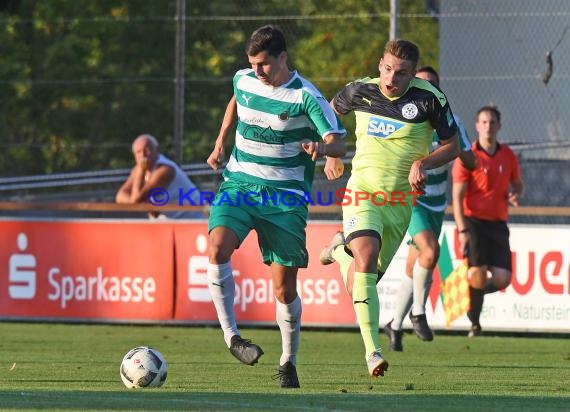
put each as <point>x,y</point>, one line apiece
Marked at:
<point>156,271</point>
<point>86,270</point>
<point>325,300</point>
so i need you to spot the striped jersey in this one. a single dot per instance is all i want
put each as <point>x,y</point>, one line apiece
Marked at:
<point>272,123</point>
<point>436,185</point>
<point>391,133</point>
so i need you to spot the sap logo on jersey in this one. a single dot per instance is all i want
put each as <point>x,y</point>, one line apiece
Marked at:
<point>382,128</point>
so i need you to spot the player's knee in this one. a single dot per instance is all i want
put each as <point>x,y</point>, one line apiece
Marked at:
<point>218,254</point>
<point>366,263</point>
<point>502,279</point>
<point>477,277</point>
<point>284,294</point>
<point>476,284</point>
<point>429,254</point>
<point>429,259</point>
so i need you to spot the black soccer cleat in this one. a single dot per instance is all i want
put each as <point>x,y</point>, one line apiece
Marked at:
<point>244,350</point>
<point>287,375</point>
<point>419,322</point>
<point>395,337</point>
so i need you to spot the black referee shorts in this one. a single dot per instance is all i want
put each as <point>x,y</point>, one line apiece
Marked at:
<point>489,244</point>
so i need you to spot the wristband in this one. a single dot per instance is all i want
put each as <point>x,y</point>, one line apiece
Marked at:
<point>463,231</point>
<point>321,149</point>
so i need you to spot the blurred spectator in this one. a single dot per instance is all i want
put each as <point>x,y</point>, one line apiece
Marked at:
<point>158,180</point>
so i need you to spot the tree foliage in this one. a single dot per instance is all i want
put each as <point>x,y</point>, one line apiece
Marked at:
<point>79,80</point>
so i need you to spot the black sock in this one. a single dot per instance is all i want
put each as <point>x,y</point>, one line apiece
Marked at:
<point>490,288</point>
<point>476,296</point>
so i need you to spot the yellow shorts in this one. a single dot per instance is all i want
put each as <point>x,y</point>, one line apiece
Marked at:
<point>390,220</point>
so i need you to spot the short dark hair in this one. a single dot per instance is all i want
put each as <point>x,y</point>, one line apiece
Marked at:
<point>403,49</point>
<point>491,109</point>
<point>430,70</point>
<point>268,38</point>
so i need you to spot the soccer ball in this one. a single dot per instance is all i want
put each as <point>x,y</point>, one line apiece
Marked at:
<point>143,367</point>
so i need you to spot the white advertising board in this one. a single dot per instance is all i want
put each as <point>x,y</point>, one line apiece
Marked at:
<point>537,300</point>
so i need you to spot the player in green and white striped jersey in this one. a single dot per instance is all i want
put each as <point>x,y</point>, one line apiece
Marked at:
<point>271,126</point>
<point>424,229</point>
<point>283,125</point>
<point>434,197</point>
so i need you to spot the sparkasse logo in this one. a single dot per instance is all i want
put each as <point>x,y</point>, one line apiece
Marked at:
<point>22,272</point>
<point>65,288</point>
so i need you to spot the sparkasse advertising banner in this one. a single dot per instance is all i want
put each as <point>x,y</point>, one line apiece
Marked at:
<point>132,270</point>
<point>538,298</point>
<point>539,295</point>
<point>325,301</point>
<point>86,270</point>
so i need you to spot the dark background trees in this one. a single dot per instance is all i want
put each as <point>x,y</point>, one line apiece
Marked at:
<point>80,79</point>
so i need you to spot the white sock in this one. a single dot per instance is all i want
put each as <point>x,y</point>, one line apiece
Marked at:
<point>289,322</point>
<point>222,288</point>
<point>403,302</point>
<point>422,283</point>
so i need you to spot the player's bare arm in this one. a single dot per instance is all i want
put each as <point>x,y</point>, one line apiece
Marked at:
<point>516,192</point>
<point>334,168</point>
<point>446,152</point>
<point>468,160</point>
<point>457,195</point>
<point>332,145</point>
<point>218,153</point>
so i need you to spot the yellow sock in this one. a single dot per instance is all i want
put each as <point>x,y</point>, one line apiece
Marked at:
<point>367,308</point>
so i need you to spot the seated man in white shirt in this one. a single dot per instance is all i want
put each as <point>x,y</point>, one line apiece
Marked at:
<point>153,170</point>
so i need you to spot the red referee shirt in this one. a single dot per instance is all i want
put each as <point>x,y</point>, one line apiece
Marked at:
<point>488,185</point>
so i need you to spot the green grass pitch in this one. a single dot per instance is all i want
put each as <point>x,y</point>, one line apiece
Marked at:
<point>76,367</point>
